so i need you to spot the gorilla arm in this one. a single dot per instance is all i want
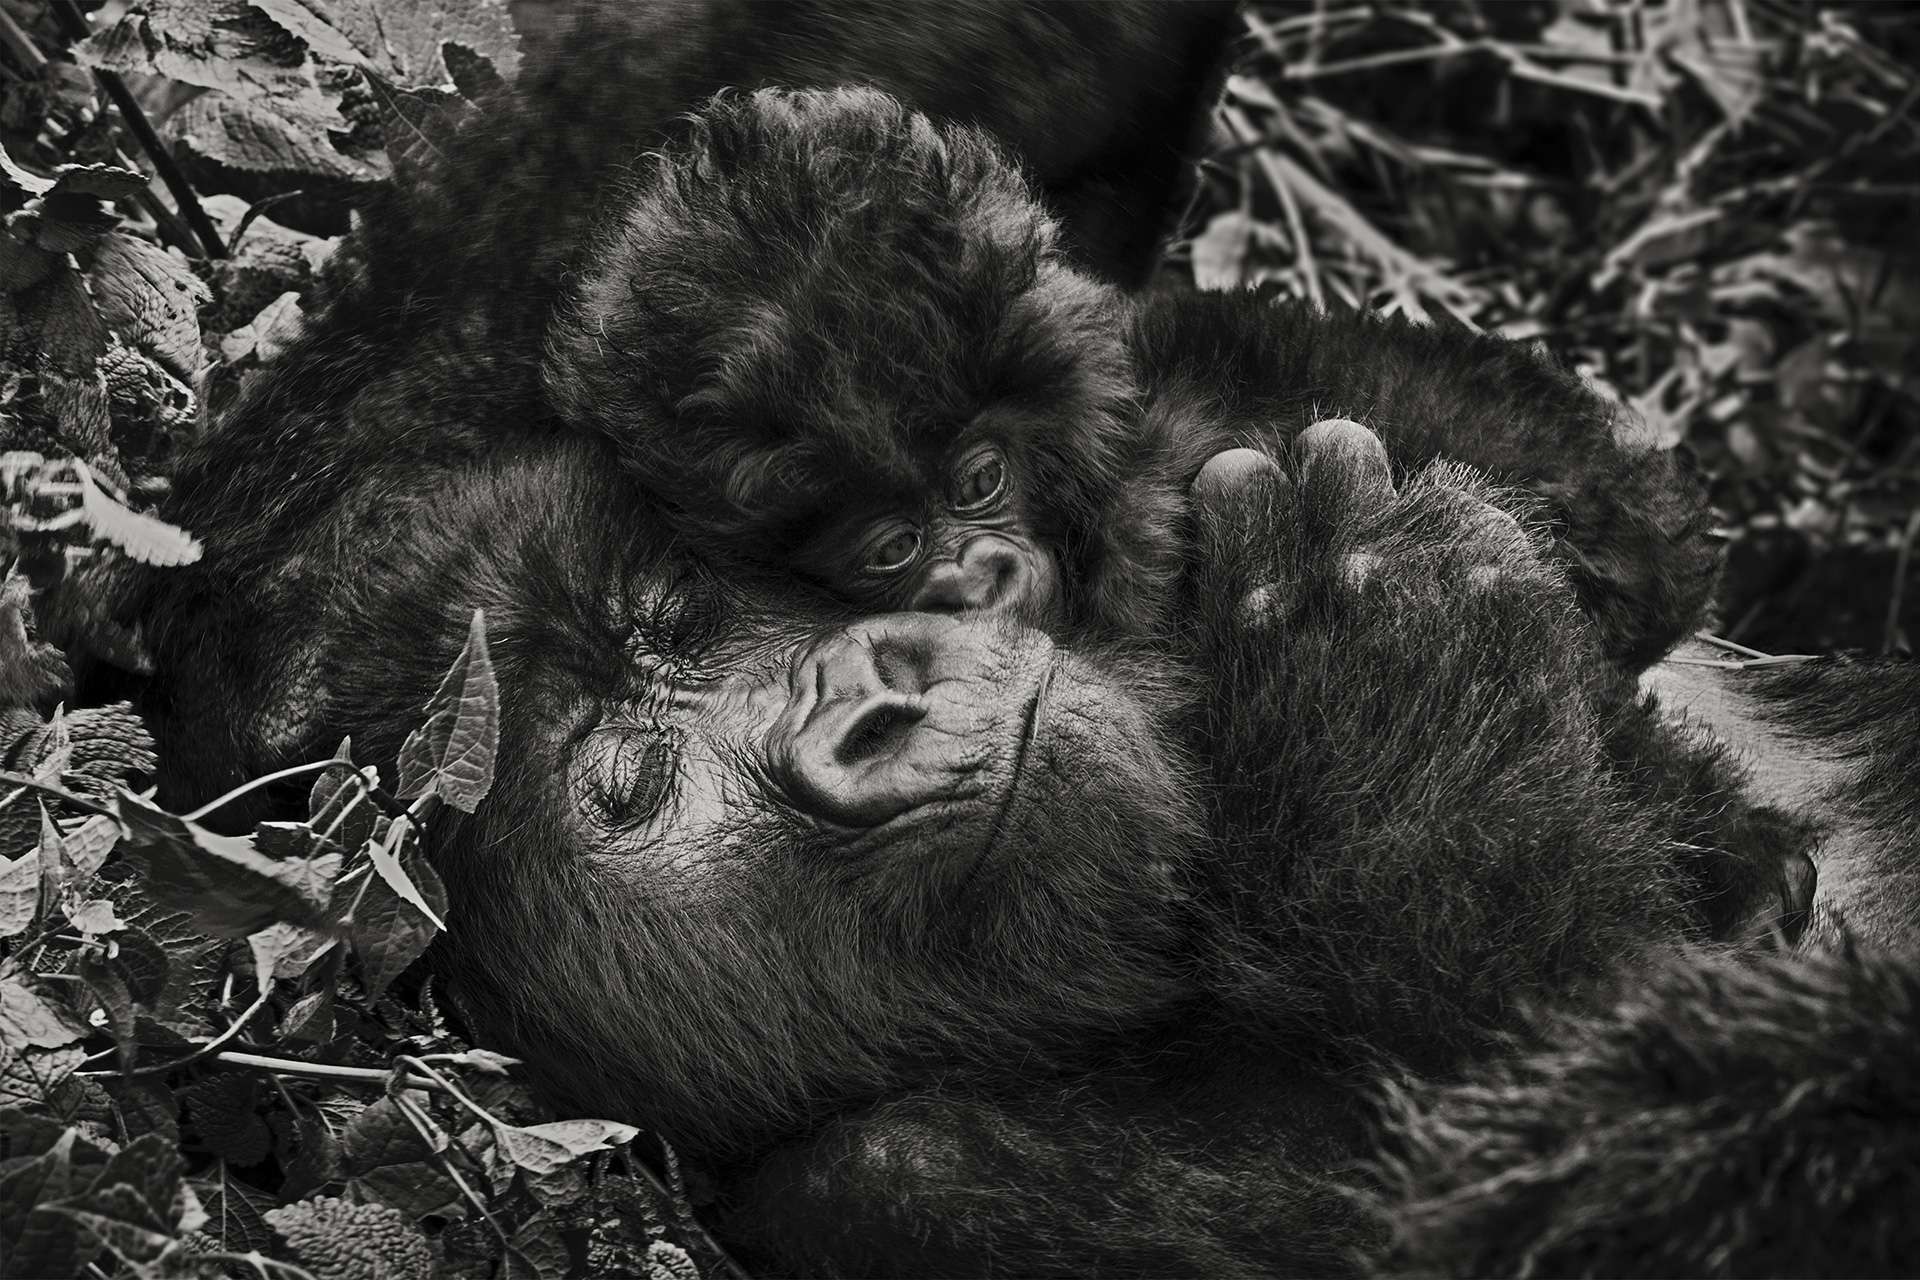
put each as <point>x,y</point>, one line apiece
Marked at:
<point>1630,528</point>
<point>1398,678</point>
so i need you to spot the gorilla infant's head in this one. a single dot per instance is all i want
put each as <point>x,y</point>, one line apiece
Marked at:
<point>737,870</point>
<point>836,337</point>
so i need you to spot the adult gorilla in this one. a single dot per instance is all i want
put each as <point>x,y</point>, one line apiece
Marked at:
<point>913,927</point>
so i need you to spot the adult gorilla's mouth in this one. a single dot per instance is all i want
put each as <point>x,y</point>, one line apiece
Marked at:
<point>1036,718</point>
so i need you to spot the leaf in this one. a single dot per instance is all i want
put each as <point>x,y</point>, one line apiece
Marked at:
<point>144,1105</point>
<point>284,951</point>
<point>269,334</point>
<point>224,1112</point>
<point>150,299</point>
<point>379,1135</point>
<point>311,1018</point>
<point>142,537</point>
<point>341,808</point>
<point>419,124</point>
<point>228,887</point>
<point>537,1251</point>
<point>88,844</point>
<point>35,1240</point>
<point>542,1148</point>
<point>95,917</point>
<point>1220,251</point>
<point>29,1020</point>
<point>121,1220</point>
<point>388,931</point>
<point>190,963</point>
<point>452,754</point>
<point>33,1077</point>
<point>19,893</point>
<point>401,833</point>
<point>236,1221</point>
<point>110,990</point>
<point>140,961</point>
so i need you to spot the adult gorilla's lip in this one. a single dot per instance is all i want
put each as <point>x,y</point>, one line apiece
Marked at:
<point>1029,733</point>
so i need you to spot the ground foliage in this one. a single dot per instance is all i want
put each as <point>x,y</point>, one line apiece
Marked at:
<point>218,1054</point>
<point>1707,205</point>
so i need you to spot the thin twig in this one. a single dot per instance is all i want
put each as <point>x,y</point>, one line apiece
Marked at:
<point>210,1047</point>
<point>25,783</point>
<point>322,1070</point>
<point>69,17</point>
<point>1721,642</point>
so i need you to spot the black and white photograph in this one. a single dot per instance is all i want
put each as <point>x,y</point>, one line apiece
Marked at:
<point>731,639</point>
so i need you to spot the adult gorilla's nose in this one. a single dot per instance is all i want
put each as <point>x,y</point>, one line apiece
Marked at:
<point>851,746</point>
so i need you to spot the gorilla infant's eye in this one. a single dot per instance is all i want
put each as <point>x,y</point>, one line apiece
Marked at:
<point>892,549</point>
<point>979,480</point>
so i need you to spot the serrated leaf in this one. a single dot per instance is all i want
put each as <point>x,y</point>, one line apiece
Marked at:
<point>228,886</point>
<point>118,1218</point>
<point>88,844</point>
<point>34,1240</point>
<point>29,1020</point>
<point>31,1078</point>
<point>56,751</point>
<point>141,537</point>
<point>19,893</point>
<point>150,299</point>
<point>452,754</point>
<point>236,1221</point>
<point>381,1135</point>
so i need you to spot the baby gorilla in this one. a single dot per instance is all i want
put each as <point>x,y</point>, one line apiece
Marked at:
<point>830,335</point>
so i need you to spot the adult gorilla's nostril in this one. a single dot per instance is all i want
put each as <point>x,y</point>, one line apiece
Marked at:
<point>880,730</point>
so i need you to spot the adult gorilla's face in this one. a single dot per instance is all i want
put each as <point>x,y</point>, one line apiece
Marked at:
<point>739,867</point>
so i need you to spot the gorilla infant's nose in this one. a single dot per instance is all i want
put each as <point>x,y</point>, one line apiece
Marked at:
<point>989,574</point>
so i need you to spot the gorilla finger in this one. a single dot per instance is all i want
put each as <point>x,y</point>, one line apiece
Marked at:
<point>1233,471</point>
<point>1350,450</point>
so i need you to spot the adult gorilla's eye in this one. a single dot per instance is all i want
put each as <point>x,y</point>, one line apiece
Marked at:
<point>980,480</point>
<point>892,549</point>
<point>627,774</point>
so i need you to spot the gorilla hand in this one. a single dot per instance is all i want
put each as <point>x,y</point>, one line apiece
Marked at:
<point>1401,709</point>
<point>1348,466</point>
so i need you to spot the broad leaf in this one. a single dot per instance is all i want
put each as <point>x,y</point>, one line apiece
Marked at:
<point>228,886</point>
<point>452,754</point>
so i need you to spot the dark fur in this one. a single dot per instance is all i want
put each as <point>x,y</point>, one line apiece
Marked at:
<point>1133,1042</point>
<point>1720,1119</point>
<point>905,292</point>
